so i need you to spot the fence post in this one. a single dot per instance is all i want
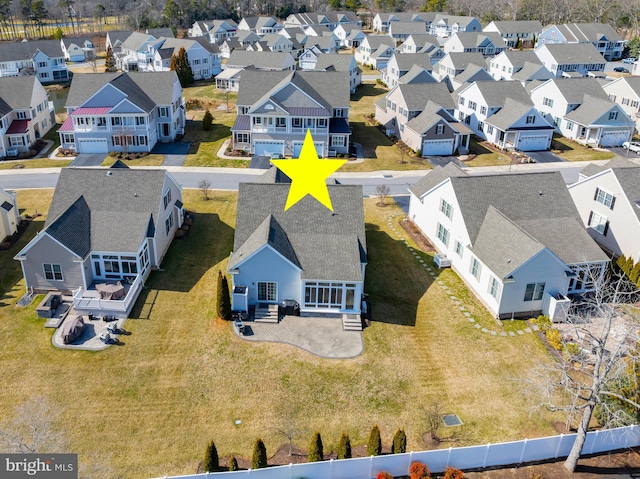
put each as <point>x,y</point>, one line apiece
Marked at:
<point>330,469</point>
<point>291,470</point>
<point>449,456</point>
<point>486,453</point>
<point>249,472</point>
<point>524,446</point>
<point>370,466</point>
<point>559,444</point>
<point>593,443</point>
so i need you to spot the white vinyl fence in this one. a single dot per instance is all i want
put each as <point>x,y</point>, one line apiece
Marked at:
<point>473,457</point>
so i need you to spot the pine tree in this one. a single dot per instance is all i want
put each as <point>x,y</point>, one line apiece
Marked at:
<point>344,448</point>
<point>233,464</point>
<point>220,298</point>
<point>374,446</point>
<point>316,452</point>
<point>110,61</point>
<point>180,64</point>
<point>211,462</point>
<point>207,120</point>
<point>226,300</point>
<point>259,455</point>
<point>399,442</point>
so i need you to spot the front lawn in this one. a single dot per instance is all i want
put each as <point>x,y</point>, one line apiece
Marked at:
<point>485,156</point>
<point>34,163</point>
<point>152,159</point>
<point>572,151</point>
<point>149,406</point>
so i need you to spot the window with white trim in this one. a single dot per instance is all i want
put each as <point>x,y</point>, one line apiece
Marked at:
<point>599,223</point>
<point>443,234</point>
<point>168,223</point>
<point>613,115</point>
<point>534,292</point>
<point>458,248</point>
<point>494,285</point>
<point>267,291</point>
<point>446,208</point>
<point>605,198</point>
<point>475,268</point>
<point>483,110</point>
<point>338,141</point>
<point>439,129</point>
<point>547,102</point>
<point>473,105</point>
<point>531,119</point>
<point>52,272</point>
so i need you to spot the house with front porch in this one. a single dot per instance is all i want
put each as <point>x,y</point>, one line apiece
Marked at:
<point>104,225</point>
<point>349,36</point>
<point>580,110</point>
<point>382,20</point>
<point>423,43</point>
<point>308,254</point>
<point>445,25</point>
<point>275,110</point>
<point>400,64</point>
<point>260,25</point>
<point>375,50</point>
<point>580,59</point>
<point>625,91</point>
<point>513,32</point>
<point>517,240</point>
<point>9,214</point>
<point>77,49</point>
<point>135,52</point>
<point>486,43</point>
<point>601,35</point>
<point>204,57</point>
<point>42,58</point>
<point>607,197</point>
<point>26,114</point>
<point>216,31</point>
<point>127,112</point>
<point>503,113</point>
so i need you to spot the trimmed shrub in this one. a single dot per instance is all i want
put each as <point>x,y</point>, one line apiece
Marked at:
<point>374,446</point>
<point>211,462</point>
<point>207,121</point>
<point>452,473</point>
<point>571,350</point>
<point>220,300</point>
<point>316,452</point>
<point>384,475</point>
<point>259,460</point>
<point>233,464</point>
<point>419,471</point>
<point>399,442</point>
<point>226,300</point>
<point>543,322</point>
<point>344,448</point>
<point>554,339</point>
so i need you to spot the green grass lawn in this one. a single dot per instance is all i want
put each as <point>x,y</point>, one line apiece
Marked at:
<point>206,144</point>
<point>485,156</point>
<point>182,378</point>
<point>34,163</point>
<point>152,159</point>
<point>572,151</point>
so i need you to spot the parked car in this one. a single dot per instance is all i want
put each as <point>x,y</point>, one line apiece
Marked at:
<point>629,60</point>
<point>632,145</point>
<point>620,70</point>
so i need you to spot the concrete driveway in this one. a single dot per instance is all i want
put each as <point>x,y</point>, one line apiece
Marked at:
<point>543,156</point>
<point>86,159</point>
<point>174,152</point>
<point>624,153</point>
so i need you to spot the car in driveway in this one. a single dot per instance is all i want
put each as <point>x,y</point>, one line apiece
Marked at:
<point>621,70</point>
<point>629,60</point>
<point>632,145</point>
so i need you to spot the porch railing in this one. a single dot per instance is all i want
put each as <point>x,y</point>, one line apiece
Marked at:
<point>107,305</point>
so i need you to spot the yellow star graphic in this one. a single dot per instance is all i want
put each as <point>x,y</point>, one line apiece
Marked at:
<point>308,174</point>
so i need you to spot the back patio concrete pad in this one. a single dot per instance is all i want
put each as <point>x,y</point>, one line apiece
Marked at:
<point>322,337</point>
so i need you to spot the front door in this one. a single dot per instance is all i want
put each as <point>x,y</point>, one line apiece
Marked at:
<point>165,129</point>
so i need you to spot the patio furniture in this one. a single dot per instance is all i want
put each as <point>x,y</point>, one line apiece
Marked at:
<point>240,326</point>
<point>110,291</point>
<point>72,329</point>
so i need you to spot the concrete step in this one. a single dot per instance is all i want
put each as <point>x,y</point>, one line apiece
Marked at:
<point>267,315</point>
<point>351,322</point>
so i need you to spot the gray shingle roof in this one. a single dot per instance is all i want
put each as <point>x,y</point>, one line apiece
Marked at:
<point>417,74</point>
<point>461,60</point>
<point>519,26</point>
<point>574,53</point>
<point>574,89</point>
<point>407,28</point>
<point>243,58</point>
<point>104,209</point>
<point>340,63</point>
<point>330,89</point>
<point>511,112</point>
<point>495,93</point>
<point>617,163</point>
<point>136,40</point>
<point>539,203</point>
<point>519,57</point>
<point>531,70</point>
<point>407,60</point>
<point>142,89</point>
<point>325,245</point>
<point>27,50</point>
<point>431,115</point>
<point>416,95</point>
<point>589,32</point>
<point>375,41</point>
<point>434,178</point>
<point>15,93</point>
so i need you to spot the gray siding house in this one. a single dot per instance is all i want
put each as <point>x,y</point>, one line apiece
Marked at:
<point>308,254</point>
<point>104,225</point>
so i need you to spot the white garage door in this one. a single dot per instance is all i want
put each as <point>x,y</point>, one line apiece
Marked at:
<point>437,147</point>
<point>268,148</point>
<point>614,138</point>
<point>92,145</point>
<point>533,142</point>
<point>297,148</point>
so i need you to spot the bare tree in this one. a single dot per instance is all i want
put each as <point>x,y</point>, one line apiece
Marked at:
<point>596,353</point>
<point>204,186</point>
<point>289,425</point>
<point>32,429</point>
<point>382,191</point>
<point>433,416</point>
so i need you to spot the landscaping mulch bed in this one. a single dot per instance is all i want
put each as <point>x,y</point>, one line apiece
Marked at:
<point>416,235</point>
